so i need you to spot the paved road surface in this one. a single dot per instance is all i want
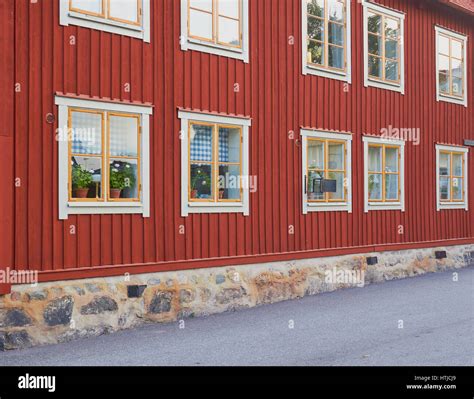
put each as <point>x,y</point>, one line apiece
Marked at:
<point>350,327</point>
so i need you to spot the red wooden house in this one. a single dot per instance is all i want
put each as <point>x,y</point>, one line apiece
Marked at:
<point>155,135</point>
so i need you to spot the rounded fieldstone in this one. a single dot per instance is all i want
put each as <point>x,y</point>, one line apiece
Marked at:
<point>161,302</point>
<point>14,318</point>
<point>17,340</point>
<point>220,279</point>
<point>59,311</point>
<point>99,305</point>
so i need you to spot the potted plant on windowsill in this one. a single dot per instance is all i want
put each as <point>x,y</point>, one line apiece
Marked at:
<point>117,182</point>
<point>81,180</point>
<point>199,180</point>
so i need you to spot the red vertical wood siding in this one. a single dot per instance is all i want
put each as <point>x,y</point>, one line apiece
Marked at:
<point>273,92</point>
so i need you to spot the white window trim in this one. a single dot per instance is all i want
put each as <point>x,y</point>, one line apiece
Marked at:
<point>332,206</point>
<point>398,87</point>
<point>400,205</point>
<point>188,43</point>
<point>67,18</point>
<point>76,208</point>
<point>445,97</point>
<point>228,207</point>
<point>457,205</point>
<point>320,71</point>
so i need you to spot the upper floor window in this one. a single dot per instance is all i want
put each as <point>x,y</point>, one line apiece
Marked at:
<point>326,37</point>
<point>214,163</point>
<point>451,82</point>
<point>383,47</point>
<point>451,173</point>
<point>326,171</point>
<point>124,17</point>
<point>384,173</point>
<point>103,157</point>
<point>215,26</point>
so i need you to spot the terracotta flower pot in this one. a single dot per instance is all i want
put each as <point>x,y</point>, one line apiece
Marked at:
<point>194,193</point>
<point>115,192</point>
<point>221,194</point>
<point>81,192</point>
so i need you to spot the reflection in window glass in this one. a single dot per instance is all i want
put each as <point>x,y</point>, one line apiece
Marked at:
<point>450,66</point>
<point>451,176</point>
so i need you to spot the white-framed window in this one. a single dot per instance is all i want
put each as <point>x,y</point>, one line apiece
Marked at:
<point>103,157</point>
<point>326,36</point>
<point>123,17</point>
<point>451,66</point>
<point>326,163</point>
<point>214,163</point>
<point>384,54</point>
<point>218,27</point>
<point>384,174</point>
<point>451,177</point>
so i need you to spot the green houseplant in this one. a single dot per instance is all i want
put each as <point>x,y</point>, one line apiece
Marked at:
<point>117,182</point>
<point>81,180</point>
<point>199,179</point>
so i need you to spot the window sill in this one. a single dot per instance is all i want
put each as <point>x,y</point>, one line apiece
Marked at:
<point>329,207</point>
<point>384,85</point>
<point>212,208</point>
<point>457,205</point>
<point>214,205</point>
<point>216,49</point>
<point>326,73</point>
<point>392,206</point>
<point>121,204</point>
<point>451,99</point>
<point>105,21</point>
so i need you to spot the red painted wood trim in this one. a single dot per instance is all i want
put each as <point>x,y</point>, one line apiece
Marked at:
<point>116,270</point>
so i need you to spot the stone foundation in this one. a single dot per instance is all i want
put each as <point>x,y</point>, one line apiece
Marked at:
<point>62,311</point>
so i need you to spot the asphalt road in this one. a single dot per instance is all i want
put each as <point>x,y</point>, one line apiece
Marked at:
<point>357,326</point>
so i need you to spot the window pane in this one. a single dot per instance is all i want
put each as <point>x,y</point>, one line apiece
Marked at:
<point>336,11</point>
<point>314,185</point>
<point>336,156</point>
<point>336,34</point>
<point>229,8</point>
<point>444,164</point>
<point>315,154</point>
<point>315,28</point>
<point>457,86</point>
<point>88,6</point>
<point>391,49</point>
<point>375,66</point>
<point>123,136</point>
<point>375,159</point>
<point>443,45</point>
<point>229,182</point>
<point>86,177</point>
<point>457,165</point>
<point>391,28</point>
<point>391,159</point>
<point>375,187</point>
<point>315,53</point>
<point>126,10</point>
<point>339,177</point>
<point>391,187</point>
<point>229,145</point>
<point>444,191</point>
<point>200,24</point>
<point>374,22</point>
<point>443,64</point>
<point>456,49</point>
<point>336,57</point>
<point>391,70</point>
<point>201,181</point>
<point>201,143</point>
<point>123,178</point>
<point>443,83</point>
<point>457,74</point>
<point>229,31</point>
<point>86,134</point>
<point>457,189</point>
<point>205,5</point>
<point>316,7</point>
<point>375,44</point>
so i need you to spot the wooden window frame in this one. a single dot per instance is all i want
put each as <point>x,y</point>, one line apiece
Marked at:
<point>214,45</point>
<point>327,137</point>
<point>215,205</point>
<point>139,29</point>
<point>452,203</point>
<point>385,12</point>
<point>451,36</point>
<point>105,205</point>
<point>310,68</point>
<point>383,173</point>
<point>383,204</point>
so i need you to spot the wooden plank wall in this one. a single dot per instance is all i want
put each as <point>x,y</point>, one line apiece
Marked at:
<point>50,58</point>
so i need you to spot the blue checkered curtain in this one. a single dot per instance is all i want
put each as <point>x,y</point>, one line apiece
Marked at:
<point>123,136</point>
<point>223,144</point>
<point>201,143</point>
<point>86,135</point>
